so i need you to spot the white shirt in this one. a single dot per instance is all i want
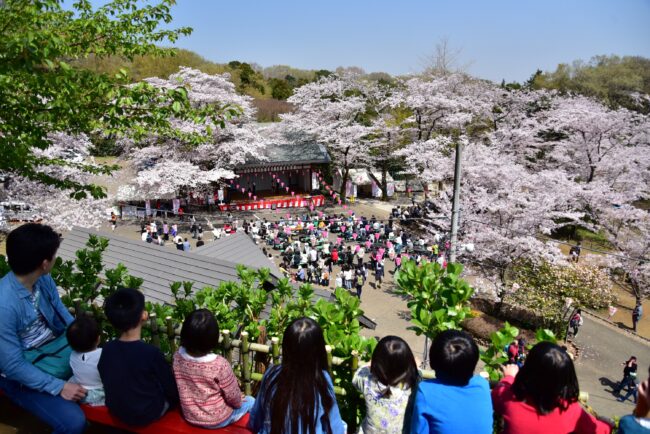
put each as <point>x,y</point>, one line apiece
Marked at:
<point>313,255</point>
<point>84,368</point>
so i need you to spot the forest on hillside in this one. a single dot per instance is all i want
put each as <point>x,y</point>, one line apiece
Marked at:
<point>614,80</point>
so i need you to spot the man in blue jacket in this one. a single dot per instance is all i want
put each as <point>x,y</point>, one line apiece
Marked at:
<point>32,315</point>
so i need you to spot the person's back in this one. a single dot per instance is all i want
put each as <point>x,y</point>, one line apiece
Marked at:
<point>207,386</point>
<point>298,395</point>
<point>138,381</point>
<point>386,386</point>
<point>83,336</point>
<point>542,397</point>
<point>456,401</point>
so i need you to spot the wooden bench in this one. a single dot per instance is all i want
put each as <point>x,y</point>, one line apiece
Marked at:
<point>170,423</point>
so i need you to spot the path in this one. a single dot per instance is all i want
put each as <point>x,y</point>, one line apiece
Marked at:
<point>603,350</point>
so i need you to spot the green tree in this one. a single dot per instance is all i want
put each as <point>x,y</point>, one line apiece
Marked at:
<point>438,297</point>
<point>280,89</point>
<point>41,93</point>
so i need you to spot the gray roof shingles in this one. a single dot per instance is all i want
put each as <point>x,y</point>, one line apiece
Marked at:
<point>159,266</point>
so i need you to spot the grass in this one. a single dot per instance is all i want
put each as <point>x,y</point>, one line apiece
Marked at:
<point>595,239</point>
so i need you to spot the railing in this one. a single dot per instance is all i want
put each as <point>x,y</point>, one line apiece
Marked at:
<point>243,364</point>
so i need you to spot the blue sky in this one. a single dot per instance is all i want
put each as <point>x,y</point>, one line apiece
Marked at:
<point>499,38</point>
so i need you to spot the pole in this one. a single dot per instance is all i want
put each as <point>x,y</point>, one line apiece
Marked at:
<point>456,205</point>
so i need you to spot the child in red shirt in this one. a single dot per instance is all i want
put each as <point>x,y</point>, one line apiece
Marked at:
<point>542,397</point>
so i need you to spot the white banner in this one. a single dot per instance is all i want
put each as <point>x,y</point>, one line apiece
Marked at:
<point>176,203</point>
<point>147,207</point>
<point>315,185</point>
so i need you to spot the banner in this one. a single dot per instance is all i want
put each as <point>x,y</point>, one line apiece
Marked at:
<point>147,207</point>
<point>176,203</point>
<point>315,185</point>
<point>390,189</point>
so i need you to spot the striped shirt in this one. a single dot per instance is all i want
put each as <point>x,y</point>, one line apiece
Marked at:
<point>207,388</point>
<point>38,332</point>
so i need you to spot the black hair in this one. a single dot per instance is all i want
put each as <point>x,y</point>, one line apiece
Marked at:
<point>124,309</point>
<point>453,355</point>
<point>200,333</point>
<point>294,393</point>
<point>82,334</point>
<point>29,245</point>
<point>548,379</point>
<point>393,363</point>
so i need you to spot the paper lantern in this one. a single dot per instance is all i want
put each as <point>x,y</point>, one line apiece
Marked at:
<point>350,212</point>
<point>249,194</point>
<point>237,186</point>
<point>339,201</point>
<point>287,188</point>
<point>368,244</point>
<point>288,215</point>
<point>325,234</point>
<point>293,193</point>
<point>354,236</point>
<point>311,207</point>
<point>338,240</point>
<point>243,190</point>
<point>320,213</point>
<point>367,228</point>
<point>377,236</point>
<point>345,207</point>
<point>254,197</point>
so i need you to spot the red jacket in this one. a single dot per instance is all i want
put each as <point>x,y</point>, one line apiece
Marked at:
<point>522,418</point>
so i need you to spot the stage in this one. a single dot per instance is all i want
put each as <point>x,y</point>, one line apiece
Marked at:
<point>274,202</point>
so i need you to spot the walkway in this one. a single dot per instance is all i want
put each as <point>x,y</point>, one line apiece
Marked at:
<point>603,349</point>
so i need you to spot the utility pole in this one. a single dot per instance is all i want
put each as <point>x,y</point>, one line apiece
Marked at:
<point>456,205</point>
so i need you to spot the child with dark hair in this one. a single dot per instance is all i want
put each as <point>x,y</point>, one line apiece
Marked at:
<point>305,401</point>
<point>83,337</point>
<point>209,394</point>
<point>386,386</point>
<point>456,401</point>
<point>542,396</point>
<point>138,381</point>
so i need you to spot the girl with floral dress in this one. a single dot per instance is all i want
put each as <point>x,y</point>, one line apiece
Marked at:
<point>386,386</point>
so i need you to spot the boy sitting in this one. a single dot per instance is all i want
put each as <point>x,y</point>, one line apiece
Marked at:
<point>456,401</point>
<point>138,381</point>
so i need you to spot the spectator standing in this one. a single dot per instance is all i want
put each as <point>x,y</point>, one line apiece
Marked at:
<point>576,321</point>
<point>639,421</point>
<point>637,313</point>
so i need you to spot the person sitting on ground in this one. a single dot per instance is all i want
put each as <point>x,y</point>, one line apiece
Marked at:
<point>83,336</point>
<point>386,386</point>
<point>456,401</point>
<point>200,242</point>
<point>639,421</point>
<point>138,381</point>
<point>542,396</point>
<point>33,319</point>
<point>186,245</point>
<point>298,395</point>
<point>207,386</point>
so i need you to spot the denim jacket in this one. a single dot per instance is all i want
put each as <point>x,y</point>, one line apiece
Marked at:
<point>16,314</point>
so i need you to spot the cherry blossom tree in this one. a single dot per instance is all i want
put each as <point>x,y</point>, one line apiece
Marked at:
<point>334,110</point>
<point>58,204</point>
<point>169,164</point>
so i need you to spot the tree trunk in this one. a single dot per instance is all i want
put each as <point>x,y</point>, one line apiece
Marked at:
<point>344,181</point>
<point>384,185</point>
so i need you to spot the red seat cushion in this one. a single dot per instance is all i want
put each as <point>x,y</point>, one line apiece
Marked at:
<point>172,423</point>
